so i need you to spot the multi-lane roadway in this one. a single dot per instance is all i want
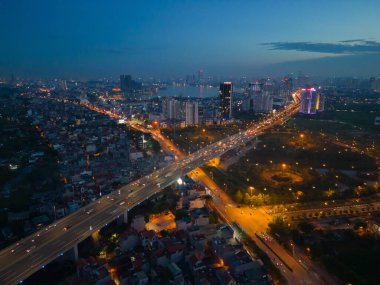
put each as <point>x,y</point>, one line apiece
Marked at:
<point>32,253</point>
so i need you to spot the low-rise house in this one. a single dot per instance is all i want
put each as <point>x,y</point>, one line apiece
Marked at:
<point>197,203</point>
<point>176,273</point>
<point>140,278</point>
<point>129,240</point>
<point>196,263</point>
<point>224,277</point>
<point>225,232</point>
<point>200,216</point>
<point>148,238</point>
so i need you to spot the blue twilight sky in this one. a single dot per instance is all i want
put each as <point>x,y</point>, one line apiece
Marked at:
<point>161,38</point>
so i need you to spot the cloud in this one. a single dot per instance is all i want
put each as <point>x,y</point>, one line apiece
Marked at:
<point>357,46</point>
<point>365,65</point>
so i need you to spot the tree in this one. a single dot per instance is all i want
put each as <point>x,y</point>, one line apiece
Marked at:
<point>258,200</point>
<point>239,196</point>
<point>280,228</point>
<point>247,199</point>
<point>306,227</point>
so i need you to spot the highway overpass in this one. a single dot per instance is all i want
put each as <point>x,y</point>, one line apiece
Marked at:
<point>30,254</point>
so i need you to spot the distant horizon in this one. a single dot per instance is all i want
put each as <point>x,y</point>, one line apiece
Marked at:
<point>215,79</point>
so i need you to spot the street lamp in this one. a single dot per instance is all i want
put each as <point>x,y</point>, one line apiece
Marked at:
<point>292,245</point>
<point>251,188</point>
<point>283,167</point>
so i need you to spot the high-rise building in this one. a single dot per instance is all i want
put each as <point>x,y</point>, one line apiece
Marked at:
<point>259,100</point>
<point>247,103</point>
<point>192,113</point>
<point>171,109</point>
<point>312,101</point>
<point>61,85</point>
<point>262,102</point>
<point>129,87</point>
<point>225,101</point>
<point>286,88</point>
<point>375,84</point>
<point>269,87</point>
<point>125,83</point>
<point>200,76</point>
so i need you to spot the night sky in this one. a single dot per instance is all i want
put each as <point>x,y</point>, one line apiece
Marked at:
<point>97,38</point>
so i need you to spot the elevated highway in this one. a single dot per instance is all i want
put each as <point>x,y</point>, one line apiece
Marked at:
<point>32,253</point>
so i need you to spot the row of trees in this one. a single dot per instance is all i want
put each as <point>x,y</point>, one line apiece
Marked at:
<point>253,200</point>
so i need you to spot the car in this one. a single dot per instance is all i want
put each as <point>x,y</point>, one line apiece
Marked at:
<point>29,249</point>
<point>67,227</point>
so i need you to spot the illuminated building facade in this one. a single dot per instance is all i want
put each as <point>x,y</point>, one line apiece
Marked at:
<point>225,101</point>
<point>312,101</point>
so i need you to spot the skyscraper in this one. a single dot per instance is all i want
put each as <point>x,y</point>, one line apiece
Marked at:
<point>225,101</point>
<point>171,109</point>
<point>191,113</point>
<point>312,101</point>
<point>286,87</point>
<point>125,83</point>
<point>200,76</point>
<point>258,100</point>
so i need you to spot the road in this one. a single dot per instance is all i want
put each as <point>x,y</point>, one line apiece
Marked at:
<point>255,221</point>
<point>20,260</point>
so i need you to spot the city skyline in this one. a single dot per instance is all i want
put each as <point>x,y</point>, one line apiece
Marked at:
<point>166,39</point>
<point>189,142</point>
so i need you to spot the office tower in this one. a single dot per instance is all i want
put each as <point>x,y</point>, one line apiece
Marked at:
<point>191,113</point>
<point>225,101</point>
<point>312,101</point>
<point>125,83</point>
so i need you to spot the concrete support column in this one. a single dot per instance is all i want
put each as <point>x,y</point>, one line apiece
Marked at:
<point>123,218</point>
<point>71,254</point>
<point>74,252</point>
